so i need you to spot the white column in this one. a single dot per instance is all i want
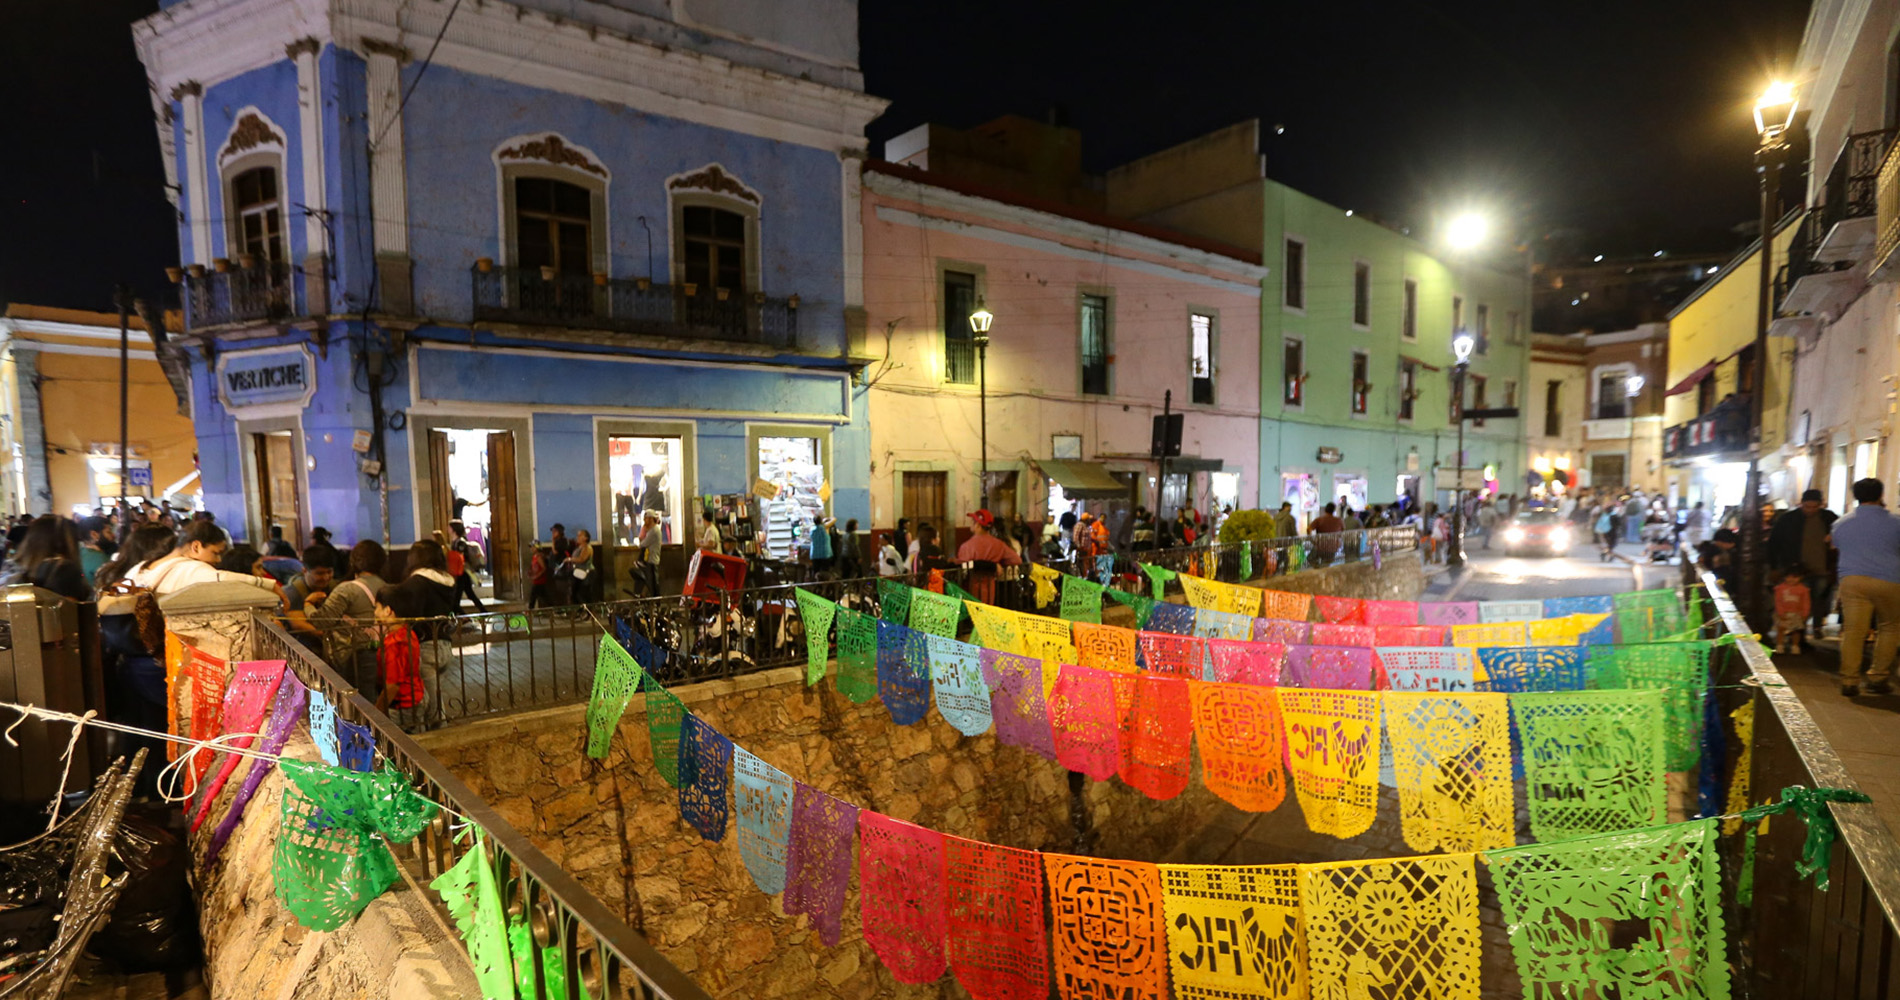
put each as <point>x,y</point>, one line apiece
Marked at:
<point>852,162</point>
<point>310,142</point>
<point>197,188</point>
<point>389,199</point>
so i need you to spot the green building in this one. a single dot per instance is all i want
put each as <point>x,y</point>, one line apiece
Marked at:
<point>1356,325</point>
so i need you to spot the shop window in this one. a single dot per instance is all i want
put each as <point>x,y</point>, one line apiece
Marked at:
<point>795,466</point>
<point>646,473</point>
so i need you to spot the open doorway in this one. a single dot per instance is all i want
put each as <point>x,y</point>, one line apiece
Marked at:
<point>473,480</point>
<point>279,500</point>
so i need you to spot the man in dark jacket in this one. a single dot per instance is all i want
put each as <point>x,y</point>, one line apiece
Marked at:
<point>1799,538</point>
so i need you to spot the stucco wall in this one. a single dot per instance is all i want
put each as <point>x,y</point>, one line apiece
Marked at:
<point>1031,274</point>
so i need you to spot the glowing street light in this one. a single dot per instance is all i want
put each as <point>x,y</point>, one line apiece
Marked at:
<point>1462,344</point>
<point>980,321</point>
<point>1466,231</point>
<point>1774,111</point>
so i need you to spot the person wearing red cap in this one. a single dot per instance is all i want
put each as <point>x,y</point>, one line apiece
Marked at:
<point>983,553</point>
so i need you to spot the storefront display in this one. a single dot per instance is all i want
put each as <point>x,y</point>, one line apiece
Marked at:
<point>644,474</point>
<point>795,467</point>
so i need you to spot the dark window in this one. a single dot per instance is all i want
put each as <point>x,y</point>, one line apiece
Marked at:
<point>1201,357</point>
<point>959,344</point>
<point>1293,372</point>
<point>1094,345</point>
<point>1361,293</point>
<point>553,226</point>
<point>1361,381</point>
<point>1510,392</point>
<point>1612,396</point>
<point>1456,396</point>
<point>1408,324</point>
<point>1295,274</point>
<point>1457,314</point>
<point>1553,408</point>
<point>714,247</point>
<point>259,213</point>
<point>1408,388</point>
<point>1484,328</point>
<point>1511,333</point>
<point>1705,395</point>
<point>1477,397</point>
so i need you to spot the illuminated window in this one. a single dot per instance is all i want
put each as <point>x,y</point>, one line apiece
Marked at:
<point>1201,357</point>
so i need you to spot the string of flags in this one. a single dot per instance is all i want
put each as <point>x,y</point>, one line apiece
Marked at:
<point>933,903</point>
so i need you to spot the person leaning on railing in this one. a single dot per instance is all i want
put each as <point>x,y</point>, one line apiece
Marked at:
<point>194,561</point>
<point>348,615</point>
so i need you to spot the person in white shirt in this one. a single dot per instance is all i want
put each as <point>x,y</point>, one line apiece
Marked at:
<point>194,561</point>
<point>709,540</point>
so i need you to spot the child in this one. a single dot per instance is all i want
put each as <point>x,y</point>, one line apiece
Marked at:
<point>399,662</point>
<point>1791,612</point>
<point>540,578</point>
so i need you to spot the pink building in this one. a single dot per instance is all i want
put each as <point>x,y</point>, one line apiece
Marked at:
<point>1096,320</point>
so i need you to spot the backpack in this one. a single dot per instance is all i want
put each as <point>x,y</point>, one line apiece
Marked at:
<point>458,563</point>
<point>400,663</point>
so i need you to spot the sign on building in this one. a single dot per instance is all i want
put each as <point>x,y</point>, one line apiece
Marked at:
<point>266,376</point>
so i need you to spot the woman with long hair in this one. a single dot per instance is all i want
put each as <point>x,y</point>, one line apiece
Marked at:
<point>428,591</point>
<point>48,558</point>
<point>144,544</point>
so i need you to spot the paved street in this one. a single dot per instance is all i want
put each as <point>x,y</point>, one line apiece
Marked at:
<point>1491,575</point>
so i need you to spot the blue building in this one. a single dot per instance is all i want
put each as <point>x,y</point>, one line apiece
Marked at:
<point>531,262</point>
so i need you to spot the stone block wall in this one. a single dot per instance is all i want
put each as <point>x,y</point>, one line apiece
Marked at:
<point>615,824</point>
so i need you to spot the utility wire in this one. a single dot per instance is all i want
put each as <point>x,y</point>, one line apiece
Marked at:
<point>424,68</point>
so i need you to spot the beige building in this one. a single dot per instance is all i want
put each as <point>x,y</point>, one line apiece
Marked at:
<point>1595,406</point>
<point>59,378</point>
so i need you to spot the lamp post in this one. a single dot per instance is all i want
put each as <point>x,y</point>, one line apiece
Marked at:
<point>980,321</point>
<point>1774,112</point>
<point>1462,343</point>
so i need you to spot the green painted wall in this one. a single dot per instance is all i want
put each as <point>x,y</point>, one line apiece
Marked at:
<point>1377,444</point>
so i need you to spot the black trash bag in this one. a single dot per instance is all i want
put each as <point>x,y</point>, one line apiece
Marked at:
<point>30,885</point>
<point>154,926</point>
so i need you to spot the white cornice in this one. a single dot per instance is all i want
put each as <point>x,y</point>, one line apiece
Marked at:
<point>213,40</point>
<point>1063,227</point>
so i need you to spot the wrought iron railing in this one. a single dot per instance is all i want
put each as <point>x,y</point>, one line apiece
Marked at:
<point>600,954</point>
<point>1887,211</point>
<point>1797,940</point>
<point>238,294</point>
<point>510,661</point>
<point>1851,189</point>
<point>542,296</point>
<point>1714,434</point>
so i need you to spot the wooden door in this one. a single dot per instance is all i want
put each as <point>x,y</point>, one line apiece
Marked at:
<point>924,502</point>
<point>441,491</point>
<point>504,526</point>
<point>279,499</point>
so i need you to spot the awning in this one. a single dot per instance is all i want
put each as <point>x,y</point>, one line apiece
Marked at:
<point>1688,381</point>
<point>1082,480</point>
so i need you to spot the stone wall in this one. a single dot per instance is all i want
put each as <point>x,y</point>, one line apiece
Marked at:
<point>616,826</point>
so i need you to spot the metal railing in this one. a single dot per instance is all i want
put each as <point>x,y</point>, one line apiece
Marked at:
<point>1796,940</point>
<point>632,305</point>
<point>601,955</point>
<point>1850,191</point>
<point>1713,434</point>
<point>1887,212</point>
<point>508,661</point>
<point>49,656</point>
<point>238,294</point>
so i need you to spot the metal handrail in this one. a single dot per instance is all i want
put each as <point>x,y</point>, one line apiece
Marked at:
<point>559,909</point>
<point>1344,546</point>
<point>1866,859</point>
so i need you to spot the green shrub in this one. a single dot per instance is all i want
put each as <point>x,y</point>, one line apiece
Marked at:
<point>1247,526</point>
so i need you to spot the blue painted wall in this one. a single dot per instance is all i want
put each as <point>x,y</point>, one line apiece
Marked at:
<point>272,90</point>
<point>455,123</point>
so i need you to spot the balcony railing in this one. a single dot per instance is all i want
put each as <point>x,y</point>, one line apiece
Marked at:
<point>238,294</point>
<point>1887,214</point>
<point>541,297</point>
<point>1717,433</point>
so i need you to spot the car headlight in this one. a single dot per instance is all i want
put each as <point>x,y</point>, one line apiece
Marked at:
<point>1560,538</point>
<point>1514,534</point>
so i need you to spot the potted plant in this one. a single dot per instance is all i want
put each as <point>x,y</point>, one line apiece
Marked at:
<point>723,293</point>
<point>600,278</point>
<point>221,264</point>
<point>547,272</point>
<point>643,283</point>
<point>793,301</point>
<point>197,270</point>
<point>690,288</point>
<point>484,264</point>
<point>758,298</point>
<point>175,274</point>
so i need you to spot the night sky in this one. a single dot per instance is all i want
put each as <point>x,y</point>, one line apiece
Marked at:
<point>1620,124</point>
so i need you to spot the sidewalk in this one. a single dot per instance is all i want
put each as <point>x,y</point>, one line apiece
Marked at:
<point>1862,730</point>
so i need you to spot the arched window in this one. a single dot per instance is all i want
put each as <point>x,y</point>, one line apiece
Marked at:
<point>257,214</point>
<point>553,225</point>
<point>713,247</point>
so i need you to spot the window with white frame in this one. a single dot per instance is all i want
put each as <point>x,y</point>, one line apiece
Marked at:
<point>1361,382</point>
<point>1408,322</point>
<point>1361,294</point>
<point>257,214</point>
<point>1201,357</point>
<point>1293,274</point>
<point>1293,372</point>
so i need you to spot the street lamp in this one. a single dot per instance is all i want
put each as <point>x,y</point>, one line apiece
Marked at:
<point>1462,344</point>
<point>1466,230</point>
<point>980,321</point>
<point>1774,113</point>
